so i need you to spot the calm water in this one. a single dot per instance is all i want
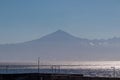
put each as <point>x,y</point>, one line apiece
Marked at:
<point>91,68</point>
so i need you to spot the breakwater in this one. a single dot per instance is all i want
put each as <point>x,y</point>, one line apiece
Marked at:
<point>50,76</point>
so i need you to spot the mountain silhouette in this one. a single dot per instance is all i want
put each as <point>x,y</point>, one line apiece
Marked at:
<point>62,46</point>
<point>59,36</point>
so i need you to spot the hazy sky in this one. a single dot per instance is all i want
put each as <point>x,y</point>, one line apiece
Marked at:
<point>24,20</point>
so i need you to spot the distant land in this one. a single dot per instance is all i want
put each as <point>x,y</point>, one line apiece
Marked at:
<point>62,46</point>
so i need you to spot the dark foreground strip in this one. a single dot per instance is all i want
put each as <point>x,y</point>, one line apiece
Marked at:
<point>44,76</point>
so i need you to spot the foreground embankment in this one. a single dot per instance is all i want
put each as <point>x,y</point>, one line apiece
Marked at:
<point>40,76</point>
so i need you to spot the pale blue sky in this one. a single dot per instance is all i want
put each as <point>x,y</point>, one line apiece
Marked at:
<point>24,20</point>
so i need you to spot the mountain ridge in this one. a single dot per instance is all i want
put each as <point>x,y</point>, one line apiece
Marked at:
<point>62,46</point>
<point>65,33</point>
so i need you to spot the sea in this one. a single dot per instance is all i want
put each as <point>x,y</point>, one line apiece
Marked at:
<point>87,68</point>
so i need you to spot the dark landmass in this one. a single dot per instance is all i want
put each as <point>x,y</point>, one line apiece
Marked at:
<point>45,76</point>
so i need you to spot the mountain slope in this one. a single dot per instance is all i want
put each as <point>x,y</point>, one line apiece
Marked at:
<point>61,46</point>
